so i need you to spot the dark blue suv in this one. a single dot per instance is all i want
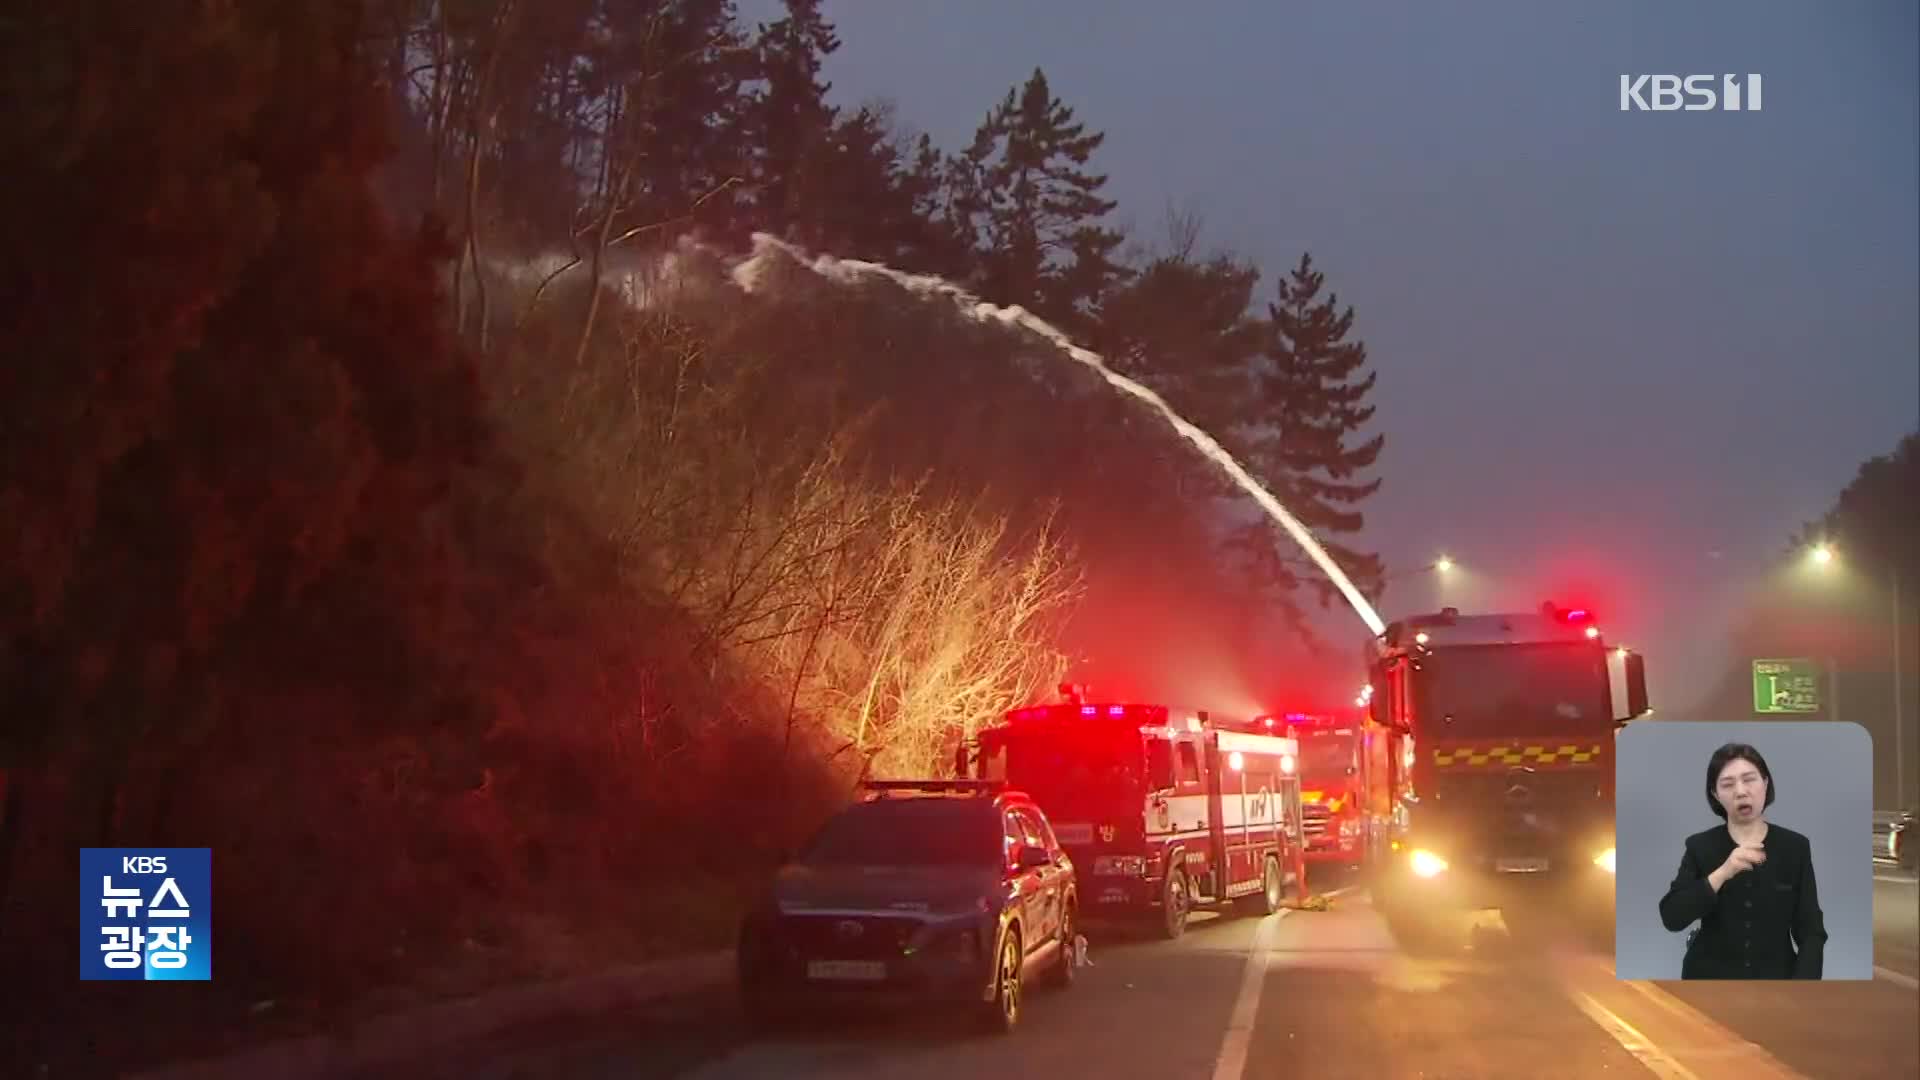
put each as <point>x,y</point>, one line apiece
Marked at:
<point>952,891</point>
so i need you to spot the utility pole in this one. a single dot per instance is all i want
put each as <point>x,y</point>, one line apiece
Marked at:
<point>1899,701</point>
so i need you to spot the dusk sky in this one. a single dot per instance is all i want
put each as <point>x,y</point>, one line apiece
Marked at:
<point>1623,355</point>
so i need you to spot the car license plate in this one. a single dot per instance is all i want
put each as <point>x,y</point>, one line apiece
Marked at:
<point>1078,832</point>
<point>847,970</point>
<point>1520,866</point>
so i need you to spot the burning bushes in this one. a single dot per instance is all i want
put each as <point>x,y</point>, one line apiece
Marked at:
<point>880,616</point>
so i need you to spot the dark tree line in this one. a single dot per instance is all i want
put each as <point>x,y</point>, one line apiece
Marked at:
<point>1847,615</point>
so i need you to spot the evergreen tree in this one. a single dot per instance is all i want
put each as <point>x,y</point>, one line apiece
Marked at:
<point>1876,518</point>
<point>1182,326</point>
<point>789,124</point>
<point>1311,394</point>
<point>665,78</point>
<point>1023,192</point>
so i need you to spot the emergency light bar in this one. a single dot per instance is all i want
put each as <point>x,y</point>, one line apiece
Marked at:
<point>880,788</point>
<point>1152,713</point>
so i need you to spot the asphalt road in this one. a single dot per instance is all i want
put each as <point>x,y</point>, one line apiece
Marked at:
<point>1316,993</point>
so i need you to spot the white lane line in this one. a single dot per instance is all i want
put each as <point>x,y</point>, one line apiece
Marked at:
<point>1757,1063</point>
<point>1701,1036</point>
<point>1657,1061</point>
<point>1899,977</point>
<point>1232,1062</point>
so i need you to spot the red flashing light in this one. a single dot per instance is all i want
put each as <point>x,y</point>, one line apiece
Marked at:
<point>1569,615</point>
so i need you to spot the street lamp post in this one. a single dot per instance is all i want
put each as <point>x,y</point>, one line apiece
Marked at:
<point>1899,703</point>
<point>1823,556</point>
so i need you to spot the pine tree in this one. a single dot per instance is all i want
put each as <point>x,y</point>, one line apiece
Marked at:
<point>1023,191</point>
<point>789,124</point>
<point>1311,396</point>
<point>1183,326</point>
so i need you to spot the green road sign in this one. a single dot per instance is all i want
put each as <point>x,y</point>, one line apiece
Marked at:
<point>1786,686</point>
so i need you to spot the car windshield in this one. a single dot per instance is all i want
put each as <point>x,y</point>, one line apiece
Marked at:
<point>1520,690</point>
<point>909,832</point>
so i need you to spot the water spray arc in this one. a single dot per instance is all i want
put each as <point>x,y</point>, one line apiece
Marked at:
<point>749,274</point>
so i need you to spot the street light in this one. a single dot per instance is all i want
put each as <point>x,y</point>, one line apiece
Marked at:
<point>1823,557</point>
<point>1443,564</point>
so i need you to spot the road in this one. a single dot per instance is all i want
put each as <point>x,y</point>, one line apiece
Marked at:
<point>1321,993</point>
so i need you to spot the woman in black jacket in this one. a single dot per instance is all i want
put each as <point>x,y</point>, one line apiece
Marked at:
<point>1748,883</point>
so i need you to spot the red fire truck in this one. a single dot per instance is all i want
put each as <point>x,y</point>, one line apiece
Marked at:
<point>1163,809</point>
<point>1347,803</point>
<point>1510,796</point>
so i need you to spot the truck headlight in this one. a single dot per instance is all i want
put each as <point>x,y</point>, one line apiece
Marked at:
<point>1426,864</point>
<point>1604,860</point>
<point>1119,865</point>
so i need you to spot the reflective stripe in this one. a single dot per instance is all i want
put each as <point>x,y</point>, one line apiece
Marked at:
<point>1503,755</point>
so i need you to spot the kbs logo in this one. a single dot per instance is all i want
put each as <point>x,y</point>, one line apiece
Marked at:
<point>146,914</point>
<point>1692,93</point>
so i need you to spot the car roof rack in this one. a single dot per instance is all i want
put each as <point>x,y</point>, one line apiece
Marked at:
<point>882,788</point>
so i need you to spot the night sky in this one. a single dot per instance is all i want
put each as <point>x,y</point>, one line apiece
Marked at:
<point>1622,356</point>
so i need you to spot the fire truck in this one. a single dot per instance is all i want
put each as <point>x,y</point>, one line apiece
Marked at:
<point>1347,805</point>
<point>1507,797</point>
<point>1166,810</point>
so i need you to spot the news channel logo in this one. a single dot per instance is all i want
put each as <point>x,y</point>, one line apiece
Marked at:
<point>146,913</point>
<point>1690,93</point>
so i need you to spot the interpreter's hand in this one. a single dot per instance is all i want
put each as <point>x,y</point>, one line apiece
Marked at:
<point>1744,858</point>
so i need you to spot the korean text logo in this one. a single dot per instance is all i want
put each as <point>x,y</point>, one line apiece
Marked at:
<point>146,913</point>
<point>1693,93</point>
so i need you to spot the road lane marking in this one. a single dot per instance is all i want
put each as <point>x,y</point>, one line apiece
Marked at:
<point>1657,1061</point>
<point>1758,1064</point>
<point>1703,1041</point>
<point>1232,1062</point>
<point>1900,977</point>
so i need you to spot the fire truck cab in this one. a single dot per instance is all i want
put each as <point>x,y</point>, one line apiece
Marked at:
<point>1163,809</point>
<point>1347,804</point>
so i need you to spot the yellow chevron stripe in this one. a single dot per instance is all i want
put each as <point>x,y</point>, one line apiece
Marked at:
<point>1506,755</point>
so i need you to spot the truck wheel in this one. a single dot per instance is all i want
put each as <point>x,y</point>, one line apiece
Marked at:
<point>1176,901</point>
<point>1272,892</point>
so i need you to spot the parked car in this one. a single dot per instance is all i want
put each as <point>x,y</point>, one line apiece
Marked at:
<point>932,892</point>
